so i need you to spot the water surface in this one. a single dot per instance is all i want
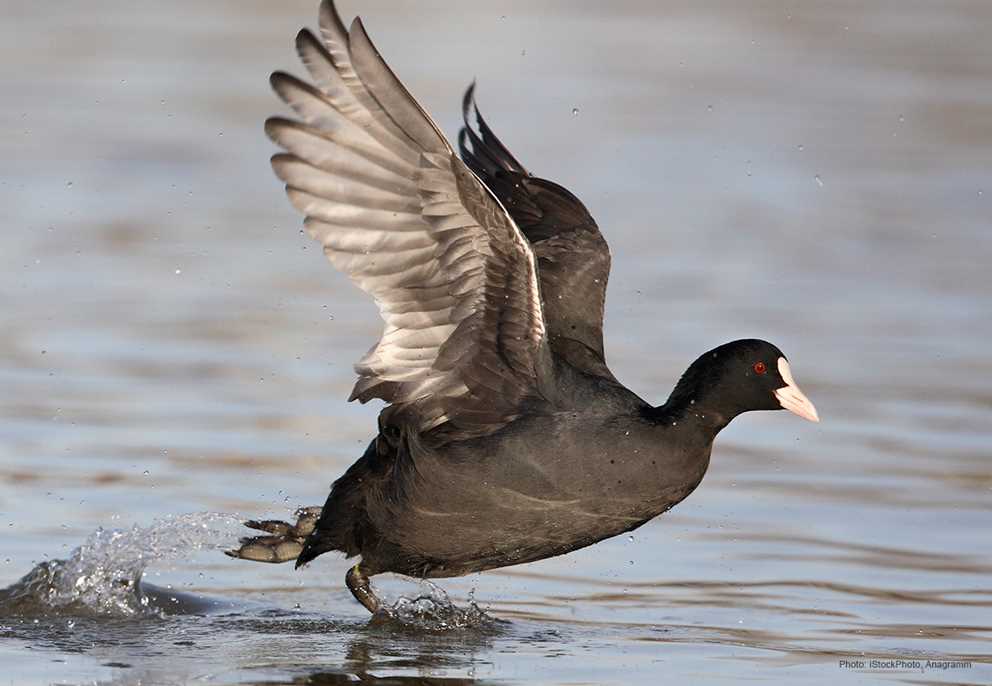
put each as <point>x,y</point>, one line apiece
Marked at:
<point>171,343</point>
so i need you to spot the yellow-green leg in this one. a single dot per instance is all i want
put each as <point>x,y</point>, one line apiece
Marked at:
<point>360,587</point>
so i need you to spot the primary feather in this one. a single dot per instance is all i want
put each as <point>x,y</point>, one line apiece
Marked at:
<point>572,256</point>
<point>398,212</point>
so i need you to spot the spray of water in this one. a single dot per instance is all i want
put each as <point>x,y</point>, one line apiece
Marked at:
<point>103,575</point>
<point>432,610</point>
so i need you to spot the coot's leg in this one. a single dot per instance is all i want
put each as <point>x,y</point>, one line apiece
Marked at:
<point>360,587</point>
<point>285,541</point>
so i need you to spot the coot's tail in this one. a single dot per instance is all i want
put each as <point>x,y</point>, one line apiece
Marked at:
<point>312,548</point>
<point>343,522</point>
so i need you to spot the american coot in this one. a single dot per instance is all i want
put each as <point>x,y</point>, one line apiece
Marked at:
<point>506,439</point>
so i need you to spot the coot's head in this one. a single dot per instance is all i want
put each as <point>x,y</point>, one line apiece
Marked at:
<point>740,376</point>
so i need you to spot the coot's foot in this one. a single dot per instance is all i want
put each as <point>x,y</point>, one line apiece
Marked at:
<point>285,541</point>
<point>360,587</point>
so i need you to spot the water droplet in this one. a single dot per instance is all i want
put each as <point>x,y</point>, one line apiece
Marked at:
<point>179,271</point>
<point>146,472</point>
<point>819,181</point>
<point>630,538</point>
<point>68,184</point>
<point>709,108</point>
<point>575,111</point>
<point>800,147</point>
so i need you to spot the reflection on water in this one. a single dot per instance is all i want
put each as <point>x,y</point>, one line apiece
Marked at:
<point>811,173</point>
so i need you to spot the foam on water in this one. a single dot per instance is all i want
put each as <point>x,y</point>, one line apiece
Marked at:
<point>103,575</point>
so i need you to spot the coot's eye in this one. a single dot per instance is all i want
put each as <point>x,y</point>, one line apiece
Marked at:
<point>760,368</point>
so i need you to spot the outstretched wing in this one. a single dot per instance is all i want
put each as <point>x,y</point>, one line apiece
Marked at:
<point>399,213</point>
<point>572,255</point>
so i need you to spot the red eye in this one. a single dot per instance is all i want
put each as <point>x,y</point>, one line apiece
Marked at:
<point>760,368</point>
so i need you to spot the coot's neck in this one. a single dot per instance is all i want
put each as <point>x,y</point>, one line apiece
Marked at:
<point>699,399</point>
<point>692,411</point>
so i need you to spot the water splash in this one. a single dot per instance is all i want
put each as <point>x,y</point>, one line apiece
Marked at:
<point>432,610</point>
<point>103,575</point>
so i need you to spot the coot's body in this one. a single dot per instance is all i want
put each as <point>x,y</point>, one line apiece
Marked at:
<point>526,492</point>
<point>506,438</point>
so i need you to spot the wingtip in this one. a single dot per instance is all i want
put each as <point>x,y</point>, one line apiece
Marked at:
<point>305,38</point>
<point>327,14</point>
<point>276,124</point>
<point>468,101</point>
<point>331,26</point>
<point>357,28</point>
<point>277,78</point>
<point>358,39</point>
<point>480,122</point>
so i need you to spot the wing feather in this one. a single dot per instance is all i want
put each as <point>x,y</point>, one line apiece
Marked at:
<point>573,257</point>
<point>463,347</point>
<point>337,188</point>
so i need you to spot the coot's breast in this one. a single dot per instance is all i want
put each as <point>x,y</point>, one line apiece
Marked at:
<point>543,486</point>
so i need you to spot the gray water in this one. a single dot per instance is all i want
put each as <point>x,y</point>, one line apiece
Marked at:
<point>170,343</point>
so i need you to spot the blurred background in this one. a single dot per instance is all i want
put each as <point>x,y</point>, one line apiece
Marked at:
<point>815,174</point>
